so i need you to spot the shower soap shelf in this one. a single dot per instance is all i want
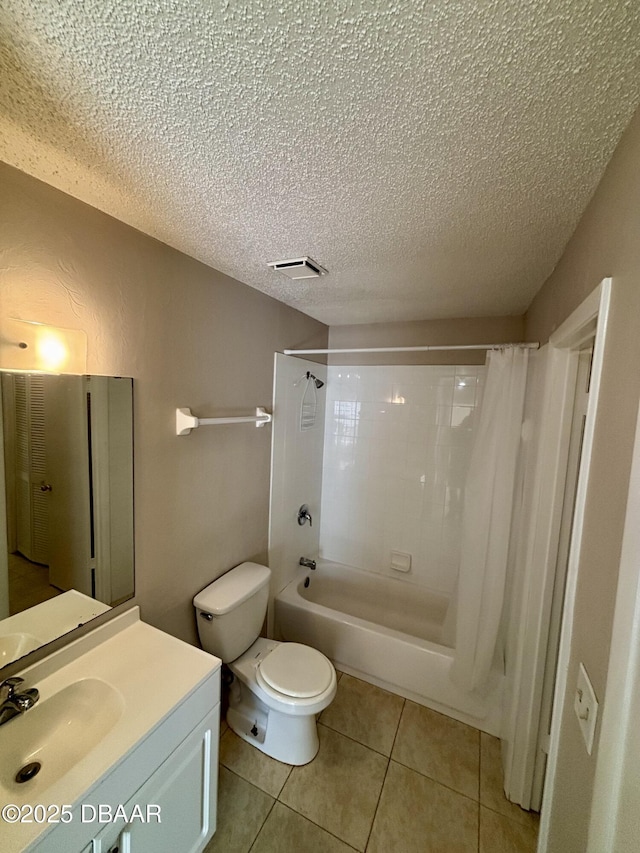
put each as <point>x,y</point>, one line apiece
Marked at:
<point>185,421</point>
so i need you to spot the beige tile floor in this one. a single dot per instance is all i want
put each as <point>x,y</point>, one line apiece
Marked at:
<point>390,777</point>
<point>28,584</point>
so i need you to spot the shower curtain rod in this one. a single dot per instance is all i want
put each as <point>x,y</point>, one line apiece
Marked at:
<point>535,345</point>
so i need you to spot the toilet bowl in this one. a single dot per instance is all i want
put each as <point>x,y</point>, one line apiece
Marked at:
<point>277,689</point>
<point>263,709</point>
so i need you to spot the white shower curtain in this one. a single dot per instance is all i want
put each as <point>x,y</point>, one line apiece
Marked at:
<point>488,501</point>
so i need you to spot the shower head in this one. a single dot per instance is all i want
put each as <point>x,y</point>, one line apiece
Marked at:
<point>318,382</point>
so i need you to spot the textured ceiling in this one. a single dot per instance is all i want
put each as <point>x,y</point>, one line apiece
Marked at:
<point>434,156</point>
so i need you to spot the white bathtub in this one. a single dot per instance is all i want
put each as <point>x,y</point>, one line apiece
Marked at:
<point>385,631</point>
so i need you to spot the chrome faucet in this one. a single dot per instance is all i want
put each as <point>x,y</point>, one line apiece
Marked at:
<point>13,704</point>
<point>304,515</point>
<point>308,564</point>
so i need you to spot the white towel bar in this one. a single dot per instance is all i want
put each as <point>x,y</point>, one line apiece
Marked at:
<point>185,421</point>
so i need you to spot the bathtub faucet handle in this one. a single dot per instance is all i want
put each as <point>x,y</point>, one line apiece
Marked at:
<point>308,564</point>
<point>304,515</point>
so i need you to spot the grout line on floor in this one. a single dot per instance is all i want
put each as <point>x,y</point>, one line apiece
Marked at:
<point>350,737</point>
<point>238,776</point>
<point>286,780</point>
<point>437,782</point>
<point>244,778</point>
<point>502,814</point>
<point>323,828</point>
<point>372,748</point>
<point>263,822</point>
<point>395,736</point>
<point>353,740</point>
<point>375,811</point>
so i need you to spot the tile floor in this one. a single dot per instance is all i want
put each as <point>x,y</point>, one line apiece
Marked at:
<point>390,777</point>
<point>28,584</point>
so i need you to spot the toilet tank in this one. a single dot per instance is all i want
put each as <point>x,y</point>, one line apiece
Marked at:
<point>230,611</point>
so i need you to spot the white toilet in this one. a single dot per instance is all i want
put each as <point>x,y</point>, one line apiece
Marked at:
<point>278,688</point>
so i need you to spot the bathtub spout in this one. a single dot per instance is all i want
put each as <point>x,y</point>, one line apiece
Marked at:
<point>308,564</point>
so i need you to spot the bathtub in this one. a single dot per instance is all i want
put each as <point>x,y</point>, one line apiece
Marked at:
<point>384,631</point>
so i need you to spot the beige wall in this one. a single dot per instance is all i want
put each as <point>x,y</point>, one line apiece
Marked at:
<point>606,242</point>
<point>189,336</point>
<point>474,330</point>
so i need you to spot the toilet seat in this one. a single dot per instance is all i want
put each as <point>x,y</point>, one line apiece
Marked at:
<point>294,670</point>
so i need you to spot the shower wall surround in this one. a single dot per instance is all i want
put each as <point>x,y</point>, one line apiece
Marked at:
<point>296,468</point>
<point>397,448</point>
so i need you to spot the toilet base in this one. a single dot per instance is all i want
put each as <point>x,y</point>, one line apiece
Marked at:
<point>285,737</point>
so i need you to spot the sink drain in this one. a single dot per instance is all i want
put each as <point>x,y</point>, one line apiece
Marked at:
<point>27,772</point>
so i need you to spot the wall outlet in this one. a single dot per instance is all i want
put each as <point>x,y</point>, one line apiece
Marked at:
<point>585,705</point>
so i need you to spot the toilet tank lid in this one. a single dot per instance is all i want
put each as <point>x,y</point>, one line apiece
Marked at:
<point>232,588</point>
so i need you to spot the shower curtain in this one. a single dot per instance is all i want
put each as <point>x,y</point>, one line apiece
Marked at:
<point>475,615</point>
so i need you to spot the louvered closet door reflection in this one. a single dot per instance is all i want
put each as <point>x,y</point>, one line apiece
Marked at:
<point>31,472</point>
<point>68,465</point>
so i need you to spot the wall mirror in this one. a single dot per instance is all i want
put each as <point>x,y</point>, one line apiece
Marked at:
<point>66,501</point>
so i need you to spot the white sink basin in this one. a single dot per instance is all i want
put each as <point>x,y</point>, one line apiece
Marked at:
<point>56,733</point>
<point>17,644</point>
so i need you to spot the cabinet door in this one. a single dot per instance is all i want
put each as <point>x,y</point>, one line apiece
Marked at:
<point>183,791</point>
<point>108,841</point>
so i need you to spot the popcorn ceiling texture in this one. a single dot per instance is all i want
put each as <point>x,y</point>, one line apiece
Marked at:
<point>434,156</point>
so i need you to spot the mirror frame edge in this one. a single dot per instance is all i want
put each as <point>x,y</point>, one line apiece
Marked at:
<point>47,649</point>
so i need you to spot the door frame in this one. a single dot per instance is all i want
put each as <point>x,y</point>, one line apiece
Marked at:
<point>546,498</point>
<point>589,320</point>
<point>611,826</point>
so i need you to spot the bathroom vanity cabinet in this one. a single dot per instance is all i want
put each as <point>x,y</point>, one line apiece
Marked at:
<point>170,779</point>
<point>147,781</point>
<point>176,804</point>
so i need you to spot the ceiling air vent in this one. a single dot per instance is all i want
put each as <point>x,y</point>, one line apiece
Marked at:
<point>298,268</point>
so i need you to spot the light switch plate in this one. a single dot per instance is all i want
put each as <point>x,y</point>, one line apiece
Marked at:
<point>586,707</point>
